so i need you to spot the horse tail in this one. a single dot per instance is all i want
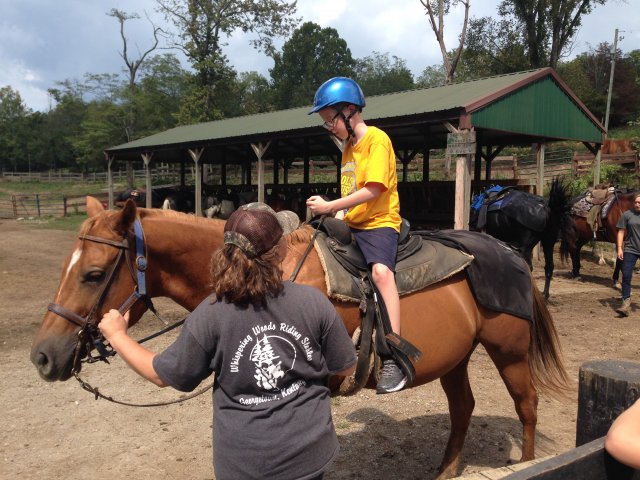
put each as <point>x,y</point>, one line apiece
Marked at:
<point>545,356</point>
<point>560,211</point>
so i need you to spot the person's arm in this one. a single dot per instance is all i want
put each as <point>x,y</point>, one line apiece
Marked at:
<point>623,439</point>
<point>620,242</point>
<point>320,206</point>
<point>114,328</point>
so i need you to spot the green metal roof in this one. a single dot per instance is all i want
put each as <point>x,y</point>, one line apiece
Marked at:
<point>516,107</point>
<point>541,109</point>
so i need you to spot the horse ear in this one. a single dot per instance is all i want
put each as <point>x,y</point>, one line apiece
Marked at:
<point>126,217</point>
<point>94,206</point>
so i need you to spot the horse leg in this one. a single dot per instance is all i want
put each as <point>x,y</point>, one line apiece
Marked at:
<point>575,260</point>
<point>514,370</point>
<point>547,248</point>
<point>461,403</point>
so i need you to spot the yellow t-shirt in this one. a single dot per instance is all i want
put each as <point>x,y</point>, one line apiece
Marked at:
<point>371,160</point>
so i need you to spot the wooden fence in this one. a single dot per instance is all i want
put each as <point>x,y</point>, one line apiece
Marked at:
<point>44,204</point>
<point>571,166</point>
<point>430,200</point>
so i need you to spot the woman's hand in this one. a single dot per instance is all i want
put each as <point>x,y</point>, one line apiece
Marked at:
<point>113,323</point>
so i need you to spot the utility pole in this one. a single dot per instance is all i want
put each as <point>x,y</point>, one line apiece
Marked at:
<point>596,170</point>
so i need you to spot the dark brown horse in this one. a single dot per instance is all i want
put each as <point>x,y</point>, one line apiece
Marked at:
<point>444,320</point>
<point>605,232</point>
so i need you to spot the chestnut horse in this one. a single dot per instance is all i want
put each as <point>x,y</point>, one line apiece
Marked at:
<point>443,320</point>
<point>606,233</point>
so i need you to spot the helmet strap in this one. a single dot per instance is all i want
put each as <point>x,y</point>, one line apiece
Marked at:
<point>347,123</point>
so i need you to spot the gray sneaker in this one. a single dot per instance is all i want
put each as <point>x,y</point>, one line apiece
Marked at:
<point>392,378</point>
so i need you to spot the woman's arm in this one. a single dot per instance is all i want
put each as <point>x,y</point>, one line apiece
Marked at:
<point>114,328</point>
<point>623,439</point>
<point>620,242</point>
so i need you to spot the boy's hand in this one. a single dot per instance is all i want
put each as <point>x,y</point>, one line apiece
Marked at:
<point>318,205</point>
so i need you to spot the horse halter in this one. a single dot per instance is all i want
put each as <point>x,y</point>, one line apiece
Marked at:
<point>89,334</point>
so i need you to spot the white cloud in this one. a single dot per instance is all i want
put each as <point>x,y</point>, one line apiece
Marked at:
<point>27,82</point>
<point>43,42</point>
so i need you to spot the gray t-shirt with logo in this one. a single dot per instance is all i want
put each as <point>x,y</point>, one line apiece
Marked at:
<point>272,412</point>
<point>630,221</point>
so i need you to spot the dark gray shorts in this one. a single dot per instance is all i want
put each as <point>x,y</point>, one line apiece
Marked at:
<point>378,245</point>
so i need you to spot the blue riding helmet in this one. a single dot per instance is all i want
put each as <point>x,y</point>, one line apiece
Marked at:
<point>337,90</point>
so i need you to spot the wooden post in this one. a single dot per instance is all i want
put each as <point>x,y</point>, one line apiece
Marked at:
<point>195,156</point>
<point>259,149</point>
<point>463,192</point>
<point>109,181</point>
<point>461,143</point>
<point>146,158</point>
<point>606,388</point>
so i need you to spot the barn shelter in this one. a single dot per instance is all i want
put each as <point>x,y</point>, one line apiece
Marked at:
<point>472,120</point>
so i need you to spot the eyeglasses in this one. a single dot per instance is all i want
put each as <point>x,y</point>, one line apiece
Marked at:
<point>332,123</point>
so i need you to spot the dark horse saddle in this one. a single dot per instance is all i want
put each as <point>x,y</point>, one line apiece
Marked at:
<point>349,279</point>
<point>527,209</point>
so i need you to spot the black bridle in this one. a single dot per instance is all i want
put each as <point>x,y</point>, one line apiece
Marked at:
<point>89,335</point>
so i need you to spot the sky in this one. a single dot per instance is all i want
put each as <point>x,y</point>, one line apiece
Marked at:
<point>45,41</point>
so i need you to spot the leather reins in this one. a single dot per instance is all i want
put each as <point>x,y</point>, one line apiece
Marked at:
<point>89,335</point>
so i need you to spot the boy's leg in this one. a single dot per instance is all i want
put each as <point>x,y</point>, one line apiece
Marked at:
<point>392,378</point>
<point>386,283</point>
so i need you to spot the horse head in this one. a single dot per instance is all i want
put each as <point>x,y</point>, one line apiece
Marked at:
<point>93,280</point>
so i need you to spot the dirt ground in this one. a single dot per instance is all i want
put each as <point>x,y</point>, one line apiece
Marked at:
<point>58,431</point>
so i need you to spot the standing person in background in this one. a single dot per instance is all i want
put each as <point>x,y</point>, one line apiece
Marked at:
<point>628,242</point>
<point>271,345</point>
<point>369,201</point>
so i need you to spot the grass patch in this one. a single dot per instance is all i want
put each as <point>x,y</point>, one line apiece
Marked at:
<point>68,188</point>
<point>68,223</point>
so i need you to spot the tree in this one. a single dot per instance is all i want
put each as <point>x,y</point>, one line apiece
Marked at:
<point>13,115</point>
<point>432,76</point>
<point>588,77</point>
<point>202,26</point>
<point>440,9</point>
<point>487,54</point>
<point>133,65</point>
<point>378,74</point>
<point>162,86</point>
<point>254,94</point>
<point>548,25</point>
<point>312,55</point>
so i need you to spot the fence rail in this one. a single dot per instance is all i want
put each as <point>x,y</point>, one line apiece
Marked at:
<point>44,204</point>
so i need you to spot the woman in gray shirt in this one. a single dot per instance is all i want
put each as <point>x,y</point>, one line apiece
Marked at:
<point>271,345</point>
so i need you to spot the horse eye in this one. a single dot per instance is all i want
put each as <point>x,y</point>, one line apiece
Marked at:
<point>94,276</point>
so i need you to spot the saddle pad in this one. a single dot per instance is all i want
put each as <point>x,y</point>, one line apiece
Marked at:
<point>527,209</point>
<point>499,278</point>
<point>432,263</point>
<point>581,206</point>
